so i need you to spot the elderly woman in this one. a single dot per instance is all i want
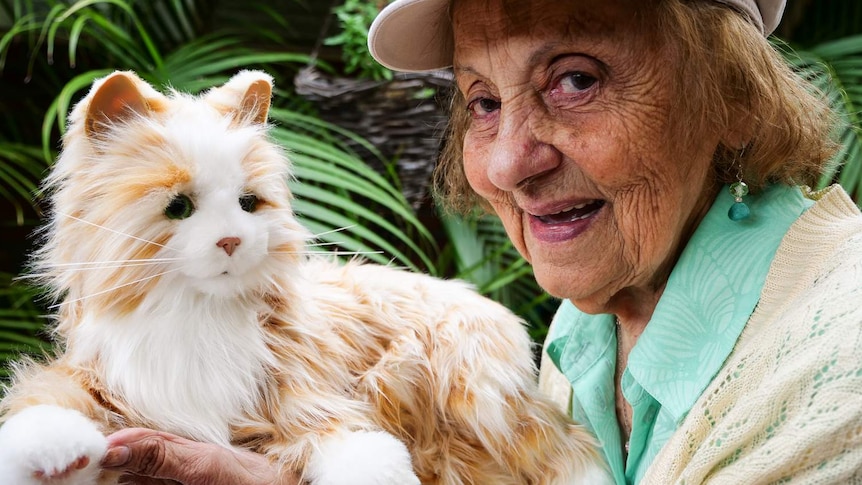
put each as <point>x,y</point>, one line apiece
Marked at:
<point>649,159</point>
<point>617,142</point>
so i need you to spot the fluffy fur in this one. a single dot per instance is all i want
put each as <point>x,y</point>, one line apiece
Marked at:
<point>189,303</point>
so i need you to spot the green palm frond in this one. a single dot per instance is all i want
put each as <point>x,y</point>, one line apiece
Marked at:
<point>835,68</point>
<point>481,253</point>
<point>346,201</point>
<point>21,324</point>
<point>21,168</point>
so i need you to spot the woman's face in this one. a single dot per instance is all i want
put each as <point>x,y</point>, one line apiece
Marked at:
<point>569,141</point>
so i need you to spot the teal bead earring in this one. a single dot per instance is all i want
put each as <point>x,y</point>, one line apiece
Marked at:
<point>739,210</point>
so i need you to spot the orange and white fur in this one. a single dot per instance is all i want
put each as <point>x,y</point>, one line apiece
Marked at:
<point>189,303</point>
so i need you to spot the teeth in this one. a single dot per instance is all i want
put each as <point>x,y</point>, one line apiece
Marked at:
<point>574,207</point>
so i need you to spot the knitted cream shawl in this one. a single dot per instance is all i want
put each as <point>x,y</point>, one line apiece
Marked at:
<point>786,407</point>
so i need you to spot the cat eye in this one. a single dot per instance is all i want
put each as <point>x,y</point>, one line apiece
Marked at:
<point>248,202</point>
<point>180,207</point>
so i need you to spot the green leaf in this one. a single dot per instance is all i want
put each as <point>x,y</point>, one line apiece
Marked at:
<point>58,111</point>
<point>334,220</point>
<point>835,67</point>
<point>361,215</point>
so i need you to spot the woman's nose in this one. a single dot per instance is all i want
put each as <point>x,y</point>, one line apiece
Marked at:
<point>520,150</point>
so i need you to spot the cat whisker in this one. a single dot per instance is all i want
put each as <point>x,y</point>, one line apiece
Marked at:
<point>353,253</point>
<point>112,230</point>
<point>30,276</point>
<point>140,280</point>
<point>322,244</point>
<point>110,266</point>
<point>340,229</point>
<point>334,253</point>
<point>134,262</point>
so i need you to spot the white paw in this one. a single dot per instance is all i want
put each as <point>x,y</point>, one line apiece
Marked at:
<point>361,458</point>
<point>49,444</point>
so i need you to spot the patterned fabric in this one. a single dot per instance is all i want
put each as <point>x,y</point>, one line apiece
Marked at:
<point>787,405</point>
<point>708,300</point>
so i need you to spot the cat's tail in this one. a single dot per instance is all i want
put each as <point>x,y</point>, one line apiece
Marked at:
<point>462,392</point>
<point>546,447</point>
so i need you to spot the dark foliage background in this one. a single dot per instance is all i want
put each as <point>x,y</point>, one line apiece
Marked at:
<point>50,51</point>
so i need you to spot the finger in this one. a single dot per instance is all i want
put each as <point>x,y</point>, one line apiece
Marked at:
<point>155,454</point>
<point>124,436</point>
<point>133,480</point>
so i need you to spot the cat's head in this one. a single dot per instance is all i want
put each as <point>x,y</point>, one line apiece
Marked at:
<point>169,196</point>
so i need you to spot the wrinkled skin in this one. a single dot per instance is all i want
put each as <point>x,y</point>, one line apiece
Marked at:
<point>152,457</point>
<point>570,105</point>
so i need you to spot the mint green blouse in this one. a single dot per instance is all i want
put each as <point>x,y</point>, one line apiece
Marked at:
<point>709,297</point>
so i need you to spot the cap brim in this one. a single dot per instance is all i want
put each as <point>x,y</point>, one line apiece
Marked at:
<point>416,35</point>
<point>412,36</point>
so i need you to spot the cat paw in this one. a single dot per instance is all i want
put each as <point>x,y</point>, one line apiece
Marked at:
<point>361,458</point>
<point>594,474</point>
<point>44,445</point>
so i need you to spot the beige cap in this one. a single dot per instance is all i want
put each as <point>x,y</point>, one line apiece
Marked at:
<point>416,35</point>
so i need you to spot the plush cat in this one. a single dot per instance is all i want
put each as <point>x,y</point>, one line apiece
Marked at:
<point>189,303</point>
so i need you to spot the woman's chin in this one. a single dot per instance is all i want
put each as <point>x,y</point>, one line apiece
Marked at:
<point>554,280</point>
<point>587,282</point>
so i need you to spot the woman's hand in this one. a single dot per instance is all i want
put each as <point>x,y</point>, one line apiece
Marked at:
<point>152,457</point>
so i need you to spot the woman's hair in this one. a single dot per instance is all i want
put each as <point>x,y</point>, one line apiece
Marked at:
<point>730,79</point>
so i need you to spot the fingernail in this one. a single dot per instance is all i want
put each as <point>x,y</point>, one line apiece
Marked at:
<point>116,456</point>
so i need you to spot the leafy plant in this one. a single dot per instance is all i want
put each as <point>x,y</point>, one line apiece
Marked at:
<point>335,189</point>
<point>835,68</point>
<point>21,323</point>
<point>355,17</point>
<point>823,41</point>
<point>21,168</point>
<point>479,251</point>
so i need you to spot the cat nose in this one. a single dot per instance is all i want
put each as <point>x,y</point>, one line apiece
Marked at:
<point>229,244</point>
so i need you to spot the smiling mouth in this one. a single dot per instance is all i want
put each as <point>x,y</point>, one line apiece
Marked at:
<point>573,213</point>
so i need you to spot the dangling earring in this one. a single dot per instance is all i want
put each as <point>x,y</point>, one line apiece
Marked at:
<point>739,210</point>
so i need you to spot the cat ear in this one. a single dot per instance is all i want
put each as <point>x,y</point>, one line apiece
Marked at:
<point>256,100</point>
<point>246,96</point>
<point>115,99</point>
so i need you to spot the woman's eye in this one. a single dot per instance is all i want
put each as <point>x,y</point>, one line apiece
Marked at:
<point>180,207</point>
<point>483,106</point>
<point>248,202</point>
<point>576,82</point>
